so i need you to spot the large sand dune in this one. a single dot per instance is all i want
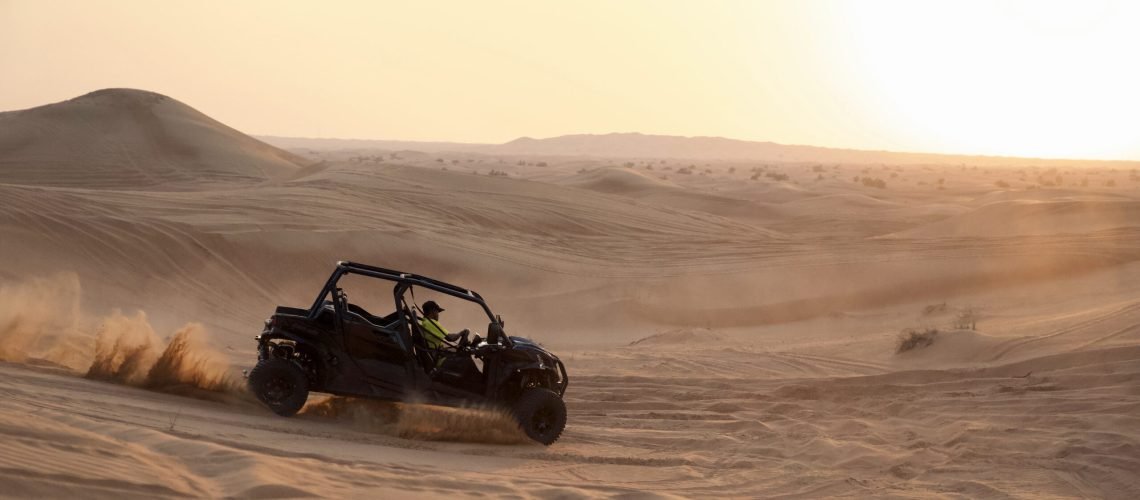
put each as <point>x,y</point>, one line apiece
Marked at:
<point>727,332</point>
<point>130,138</point>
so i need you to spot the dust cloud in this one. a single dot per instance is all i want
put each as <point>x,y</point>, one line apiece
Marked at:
<point>421,421</point>
<point>42,323</point>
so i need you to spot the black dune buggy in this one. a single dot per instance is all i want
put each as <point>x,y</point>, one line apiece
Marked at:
<point>337,347</point>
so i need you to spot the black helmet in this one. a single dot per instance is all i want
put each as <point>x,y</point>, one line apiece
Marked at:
<point>430,307</point>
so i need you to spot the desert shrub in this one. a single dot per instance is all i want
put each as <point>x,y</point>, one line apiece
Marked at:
<point>1002,184</point>
<point>755,177</point>
<point>911,339</point>
<point>874,182</point>
<point>1110,183</point>
<point>540,164</point>
<point>685,171</point>
<point>817,168</point>
<point>776,176</point>
<point>934,309</point>
<point>628,164</point>
<point>966,319</point>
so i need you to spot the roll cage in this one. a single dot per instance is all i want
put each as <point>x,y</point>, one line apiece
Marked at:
<point>404,282</point>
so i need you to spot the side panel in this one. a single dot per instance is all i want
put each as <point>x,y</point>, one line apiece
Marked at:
<point>378,352</point>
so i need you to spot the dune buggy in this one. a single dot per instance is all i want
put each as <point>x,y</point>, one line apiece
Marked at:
<point>337,347</point>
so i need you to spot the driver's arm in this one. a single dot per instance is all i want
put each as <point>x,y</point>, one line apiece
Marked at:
<point>452,337</point>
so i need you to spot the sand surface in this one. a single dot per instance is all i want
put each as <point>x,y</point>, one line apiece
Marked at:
<point>730,327</point>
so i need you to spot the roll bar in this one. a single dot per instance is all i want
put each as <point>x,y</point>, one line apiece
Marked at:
<point>345,267</point>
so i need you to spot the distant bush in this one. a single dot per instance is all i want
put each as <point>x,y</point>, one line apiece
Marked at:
<point>540,164</point>
<point>497,173</point>
<point>874,182</point>
<point>911,339</point>
<point>1110,183</point>
<point>685,171</point>
<point>776,176</point>
<point>934,309</point>
<point>966,319</point>
<point>1002,184</point>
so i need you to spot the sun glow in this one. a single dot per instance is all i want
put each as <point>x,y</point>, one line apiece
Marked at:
<point>998,77</point>
<point>1040,78</point>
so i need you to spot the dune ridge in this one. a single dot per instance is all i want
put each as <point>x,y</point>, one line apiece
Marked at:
<point>126,138</point>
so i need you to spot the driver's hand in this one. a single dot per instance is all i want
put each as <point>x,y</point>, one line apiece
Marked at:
<point>452,337</point>
<point>465,332</point>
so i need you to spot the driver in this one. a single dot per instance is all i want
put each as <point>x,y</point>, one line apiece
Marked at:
<point>435,333</point>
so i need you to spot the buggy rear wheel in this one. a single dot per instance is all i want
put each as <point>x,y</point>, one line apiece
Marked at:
<point>541,414</point>
<point>280,384</point>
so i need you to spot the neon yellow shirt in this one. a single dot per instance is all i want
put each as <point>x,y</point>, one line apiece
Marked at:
<point>434,333</point>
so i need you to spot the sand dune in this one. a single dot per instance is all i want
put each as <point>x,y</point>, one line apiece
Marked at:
<point>128,138</point>
<point>727,333</point>
<point>1024,218</point>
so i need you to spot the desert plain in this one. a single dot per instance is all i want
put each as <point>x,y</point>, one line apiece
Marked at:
<point>737,319</point>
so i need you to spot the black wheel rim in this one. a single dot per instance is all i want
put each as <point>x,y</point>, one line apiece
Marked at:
<point>542,421</point>
<point>276,390</point>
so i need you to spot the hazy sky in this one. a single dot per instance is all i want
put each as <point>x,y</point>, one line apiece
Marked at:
<point>1029,78</point>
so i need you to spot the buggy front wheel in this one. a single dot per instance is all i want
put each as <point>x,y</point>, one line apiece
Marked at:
<point>280,384</point>
<point>541,414</point>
